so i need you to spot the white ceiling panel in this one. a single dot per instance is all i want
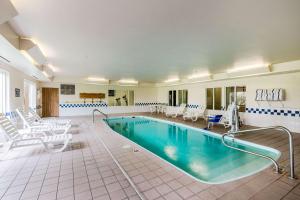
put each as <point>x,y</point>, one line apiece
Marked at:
<point>153,40</point>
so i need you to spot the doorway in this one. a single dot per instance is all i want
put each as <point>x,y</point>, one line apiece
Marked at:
<point>50,102</point>
<point>29,95</point>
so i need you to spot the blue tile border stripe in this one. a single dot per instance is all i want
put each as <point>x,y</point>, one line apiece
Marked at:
<point>275,111</point>
<point>82,105</point>
<point>155,103</point>
<point>88,105</point>
<point>192,106</point>
<point>148,104</point>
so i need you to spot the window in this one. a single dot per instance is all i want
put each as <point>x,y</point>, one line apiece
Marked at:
<point>217,98</point>
<point>29,94</point>
<point>240,97</point>
<point>182,97</point>
<point>214,98</point>
<point>120,97</point>
<point>209,98</point>
<point>4,91</point>
<point>172,98</point>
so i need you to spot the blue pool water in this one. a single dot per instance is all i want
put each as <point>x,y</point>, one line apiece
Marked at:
<point>197,152</point>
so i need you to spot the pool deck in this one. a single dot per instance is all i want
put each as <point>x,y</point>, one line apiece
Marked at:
<point>87,171</point>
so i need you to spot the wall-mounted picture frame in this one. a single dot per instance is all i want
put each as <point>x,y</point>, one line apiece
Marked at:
<point>111,93</point>
<point>67,89</point>
<point>17,92</point>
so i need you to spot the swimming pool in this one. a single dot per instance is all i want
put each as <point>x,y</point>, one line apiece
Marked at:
<point>197,152</point>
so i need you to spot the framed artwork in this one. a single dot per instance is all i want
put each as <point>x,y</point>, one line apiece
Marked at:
<point>111,93</point>
<point>17,92</point>
<point>67,89</point>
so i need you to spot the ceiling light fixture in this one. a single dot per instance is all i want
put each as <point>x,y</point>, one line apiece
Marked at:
<point>97,79</point>
<point>248,67</point>
<point>128,81</point>
<point>171,80</point>
<point>54,69</point>
<point>29,58</point>
<point>46,74</point>
<point>200,75</point>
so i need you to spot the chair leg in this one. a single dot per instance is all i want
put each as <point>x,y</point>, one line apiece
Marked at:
<point>209,125</point>
<point>60,149</point>
<point>194,119</point>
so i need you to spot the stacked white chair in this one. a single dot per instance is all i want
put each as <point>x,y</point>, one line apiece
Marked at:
<point>175,111</point>
<point>31,123</point>
<point>49,121</point>
<point>194,113</point>
<point>16,139</point>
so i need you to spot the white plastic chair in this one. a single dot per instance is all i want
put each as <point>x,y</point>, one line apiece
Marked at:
<point>17,139</point>
<point>170,110</point>
<point>175,111</point>
<point>51,121</point>
<point>194,113</point>
<point>152,109</point>
<point>32,124</point>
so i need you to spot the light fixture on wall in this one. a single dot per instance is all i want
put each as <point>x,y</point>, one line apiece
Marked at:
<point>32,51</point>
<point>249,67</point>
<point>199,75</point>
<point>171,80</point>
<point>53,68</point>
<point>28,57</point>
<point>46,74</point>
<point>128,81</point>
<point>249,70</point>
<point>97,79</point>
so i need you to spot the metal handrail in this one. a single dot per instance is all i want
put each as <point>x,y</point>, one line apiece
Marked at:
<point>97,110</point>
<point>291,147</point>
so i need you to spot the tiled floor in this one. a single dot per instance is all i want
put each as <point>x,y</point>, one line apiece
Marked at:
<point>87,171</point>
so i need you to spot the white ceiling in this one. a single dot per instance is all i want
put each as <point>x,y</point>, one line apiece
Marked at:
<point>151,40</point>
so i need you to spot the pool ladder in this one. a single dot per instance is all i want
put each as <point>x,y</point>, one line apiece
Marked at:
<point>99,111</point>
<point>291,147</point>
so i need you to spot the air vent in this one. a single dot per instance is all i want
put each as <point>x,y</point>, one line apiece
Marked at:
<point>34,77</point>
<point>4,59</point>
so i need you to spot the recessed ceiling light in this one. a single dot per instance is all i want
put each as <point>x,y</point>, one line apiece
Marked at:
<point>171,80</point>
<point>248,67</point>
<point>200,75</point>
<point>97,79</point>
<point>128,81</point>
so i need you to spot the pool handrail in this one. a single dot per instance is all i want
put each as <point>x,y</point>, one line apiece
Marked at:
<point>97,110</point>
<point>291,147</point>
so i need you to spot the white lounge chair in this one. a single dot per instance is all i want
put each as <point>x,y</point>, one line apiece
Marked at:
<point>17,139</point>
<point>170,110</point>
<point>31,123</point>
<point>175,111</point>
<point>161,108</point>
<point>152,109</point>
<point>194,113</point>
<point>52,121</point>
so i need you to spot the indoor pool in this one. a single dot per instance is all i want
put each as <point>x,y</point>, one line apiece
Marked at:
<point>197,152</point>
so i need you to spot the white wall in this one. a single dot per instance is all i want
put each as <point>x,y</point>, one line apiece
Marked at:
<point>16,80</point>
<point>289,82</point>
<point>141,95</point>
<point>197,96</point>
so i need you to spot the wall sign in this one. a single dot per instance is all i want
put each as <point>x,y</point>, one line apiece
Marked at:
<point>67,89</point>
<point>269,95</point>
<point>17,92</point>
